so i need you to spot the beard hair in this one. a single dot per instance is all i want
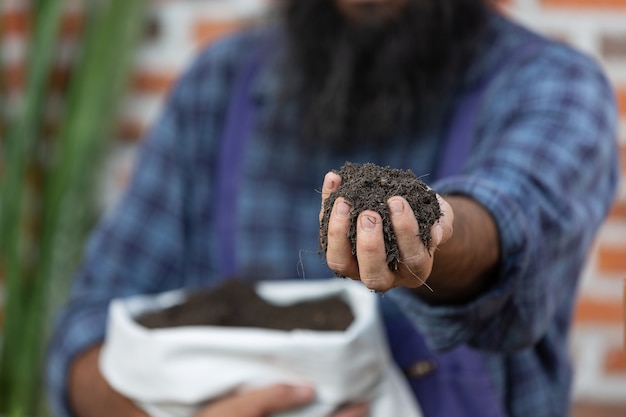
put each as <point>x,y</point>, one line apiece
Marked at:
<point>364,83</point>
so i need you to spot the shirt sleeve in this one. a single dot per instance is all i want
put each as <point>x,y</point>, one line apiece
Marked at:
<point>140,246</point>
<point>544,165</point>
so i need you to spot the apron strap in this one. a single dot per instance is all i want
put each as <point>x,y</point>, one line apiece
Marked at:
<point>456,383</point>
<point>240,119</point>
<point>462,124</point>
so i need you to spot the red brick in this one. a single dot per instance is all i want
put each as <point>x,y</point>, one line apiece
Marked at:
<point>51,128</point>
<point>621,101</point>
<point>131,130</point>
<point>15,22</point>
<point>207,31</point>
<point>612,258</point>
<point>72,24</point>
<point>618,211</point>
<point>18,22</point>
<point>615,362</point>
<point>594,310</point>
<point>613,46</point>
<point>153,82</point>
<point>60,78</point>
<point>14,77</point>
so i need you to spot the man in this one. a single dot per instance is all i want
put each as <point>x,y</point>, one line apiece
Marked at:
<point>514,132</point>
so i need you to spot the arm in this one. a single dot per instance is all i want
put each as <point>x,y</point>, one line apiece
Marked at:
<point>543,173</point>
<point>89,393</point>
<point>91,396</point>
<point>471,255</point>
<point>466,246</point>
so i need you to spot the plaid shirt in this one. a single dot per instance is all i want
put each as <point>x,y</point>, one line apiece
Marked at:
<point>543,163</point>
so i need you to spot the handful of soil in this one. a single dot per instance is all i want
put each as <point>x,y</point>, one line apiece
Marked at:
<point>235,303</point>
<point>368,187</point>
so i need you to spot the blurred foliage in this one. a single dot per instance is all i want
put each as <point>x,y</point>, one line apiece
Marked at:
<point>48,176</point>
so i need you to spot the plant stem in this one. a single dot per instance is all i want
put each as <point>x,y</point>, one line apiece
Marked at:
<point>113,28</point>
<point>20,142</point>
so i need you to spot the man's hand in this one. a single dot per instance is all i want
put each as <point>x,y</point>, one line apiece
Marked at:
<point>370,263</point>
<point>264,402</point>
<point>459,266</point>
<point>90,395</point>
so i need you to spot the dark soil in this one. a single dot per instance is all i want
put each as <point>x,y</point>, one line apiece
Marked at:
<point>235,303</point>
<point>368,187</point>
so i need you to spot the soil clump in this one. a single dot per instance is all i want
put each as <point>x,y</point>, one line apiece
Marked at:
<point>235,303</point>
<point>368,187</point>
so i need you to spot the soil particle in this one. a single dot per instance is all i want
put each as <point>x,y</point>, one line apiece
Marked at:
<point>368,187</point>
<point>235,303</point>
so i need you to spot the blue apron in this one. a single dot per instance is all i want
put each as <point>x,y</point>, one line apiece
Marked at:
<point>456,383</point>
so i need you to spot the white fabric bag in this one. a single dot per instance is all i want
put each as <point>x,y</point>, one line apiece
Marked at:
<point>171,372</point>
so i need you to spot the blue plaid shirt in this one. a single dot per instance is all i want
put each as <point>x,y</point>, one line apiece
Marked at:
<point>543,163</point>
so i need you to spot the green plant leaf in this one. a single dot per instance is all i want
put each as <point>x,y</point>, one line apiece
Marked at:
<point>36,287</point>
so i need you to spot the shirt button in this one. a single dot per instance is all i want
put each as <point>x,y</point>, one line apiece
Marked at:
<point>420,369</point>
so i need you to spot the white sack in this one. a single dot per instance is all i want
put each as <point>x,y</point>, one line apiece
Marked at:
<point>170,372</point>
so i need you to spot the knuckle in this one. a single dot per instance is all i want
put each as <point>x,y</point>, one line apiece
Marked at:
<point>377,283</point>
<point>343,266</point>
<point>368,247</point>
<point>416,268</point>
<point>416,260</point>
<point>336,230</point>
<point>336,265</point>
<point>405,224</point>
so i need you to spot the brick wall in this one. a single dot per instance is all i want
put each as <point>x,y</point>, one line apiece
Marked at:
<point>598,27</point>
<point>176,28</point>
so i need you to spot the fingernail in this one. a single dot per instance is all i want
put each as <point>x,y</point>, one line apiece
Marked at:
<point>368,223</point>
<point>396,207</point>
<point>329,182</point>
<point>343,209</point>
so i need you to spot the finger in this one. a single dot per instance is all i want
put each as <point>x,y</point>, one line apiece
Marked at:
<point>332,180</point>
<point>354,410</point>
<point>330,185</point>
<point>415,258</point>
<point>339,256</point>
<point>280,398</point>
<point>443,229</point>
<point>371,254</point>
<point>260,402</point>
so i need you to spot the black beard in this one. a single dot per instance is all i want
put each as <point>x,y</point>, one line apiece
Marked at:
<point>369,82</point>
